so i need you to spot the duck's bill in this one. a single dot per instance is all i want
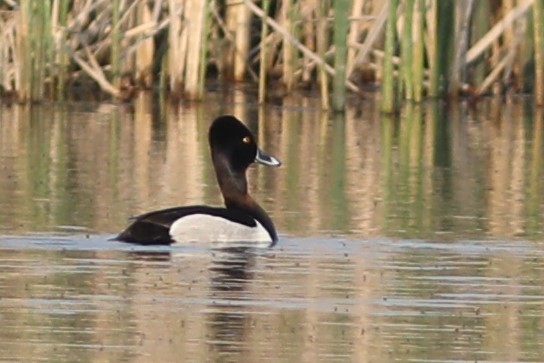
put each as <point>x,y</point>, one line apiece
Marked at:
<point>265,159</point>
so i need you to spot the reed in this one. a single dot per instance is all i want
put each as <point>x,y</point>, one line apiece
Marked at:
<point>482,13</point>
<point>458,71</point>
<point>196,12</point>
<point>115,57</point>
<point>407,50</point>
<point>203,51</point>
<point>145,53</point>
<point>445,10</point>
<point>58,23</point>
<point>411,48</point>
<point>538,30</point>
<point>237,26</point>
<point>287,20</point>
<point>341,11</point>
<point>432,36</point>
<point>418,51</point>
<point>388,86</point>
<point>322,45</point>
<point>263,53</point>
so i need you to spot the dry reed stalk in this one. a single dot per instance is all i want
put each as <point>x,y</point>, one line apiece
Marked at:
<point>322,46</point>
<point>354,30</point>
<point>308,30</point>
<point>24,54</point>
<point>288,53</point>
<point>145,51</point>
<point>374,33</point>
<point>195,12</point>
<point>494,75</point>
<point>229,47</point>
<point>513,55</point>
<point>228,38</point>
<point>8,54</point>
<point>241,44</point>
<point>459,68</point>
<point>538,29</point>
<point>237,26</point>
<point>495,32</point>
<point>94,70</point>
<point>263,54</point>
<point>176,47</point>
<point>480,25</point>
<point>204,50</point>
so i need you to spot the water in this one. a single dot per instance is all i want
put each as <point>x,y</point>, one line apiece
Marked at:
<point>416,237</point>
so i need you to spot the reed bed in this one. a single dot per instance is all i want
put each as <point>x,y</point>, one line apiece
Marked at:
<point>408,49</point>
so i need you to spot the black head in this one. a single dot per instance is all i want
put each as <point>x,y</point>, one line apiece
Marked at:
<point>230,138</point>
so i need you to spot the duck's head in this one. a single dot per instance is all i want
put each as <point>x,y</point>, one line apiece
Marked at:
<point>233,144</point>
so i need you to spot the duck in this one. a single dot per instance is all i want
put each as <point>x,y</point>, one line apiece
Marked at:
<point>233,150</point>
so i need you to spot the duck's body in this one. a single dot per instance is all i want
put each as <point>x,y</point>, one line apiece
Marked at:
<point>233,149</point>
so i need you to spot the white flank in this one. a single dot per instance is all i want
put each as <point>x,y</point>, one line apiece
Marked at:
<point>208,229</point>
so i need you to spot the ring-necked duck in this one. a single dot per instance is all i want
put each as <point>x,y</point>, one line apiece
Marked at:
<point>233,150</point>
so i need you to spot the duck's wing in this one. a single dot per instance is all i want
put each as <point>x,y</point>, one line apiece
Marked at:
<point>153,228</point>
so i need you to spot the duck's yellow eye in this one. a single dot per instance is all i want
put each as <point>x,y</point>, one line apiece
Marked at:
<point>246,140</point>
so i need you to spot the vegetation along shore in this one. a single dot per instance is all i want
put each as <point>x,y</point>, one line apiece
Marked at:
<point>406,49</point>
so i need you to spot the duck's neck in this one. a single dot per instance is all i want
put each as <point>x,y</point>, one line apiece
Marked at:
<point>233,185</point>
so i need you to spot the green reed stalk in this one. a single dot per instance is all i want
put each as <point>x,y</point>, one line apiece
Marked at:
<point>341,24</point>
<point>418,61</point>
<point>34,44</point>
<point>322,45</point>
<point>407,50</point>
<point>388,86</point>
<point>115,57</point>
<point>538,31</point>
<point>41,41</point>
<point>445,29</point>
<point>62,62</point>
<point>262,55</point>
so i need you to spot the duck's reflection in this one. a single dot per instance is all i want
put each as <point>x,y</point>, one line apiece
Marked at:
<point>219,278</point>
<point>231,269</point>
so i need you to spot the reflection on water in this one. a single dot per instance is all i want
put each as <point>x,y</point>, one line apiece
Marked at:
<point>431,172</point>
<point>374,300</point>
<point>413,237</point>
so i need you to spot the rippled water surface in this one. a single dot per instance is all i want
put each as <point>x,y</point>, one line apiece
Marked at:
<point>416,237</point>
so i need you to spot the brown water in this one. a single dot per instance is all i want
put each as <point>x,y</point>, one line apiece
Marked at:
<point>415,238</point>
